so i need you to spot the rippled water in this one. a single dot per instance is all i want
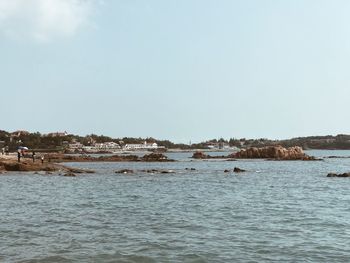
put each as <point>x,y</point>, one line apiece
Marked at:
<point>277,211</point>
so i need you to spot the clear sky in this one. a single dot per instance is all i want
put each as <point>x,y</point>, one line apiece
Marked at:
<point>177,69</point>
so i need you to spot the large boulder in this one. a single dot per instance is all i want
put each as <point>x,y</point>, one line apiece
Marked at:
<point>273,152</point>
<point>199,155</point>
<point>15,166</point>
<point>238,170</point>
<point>155,157</point>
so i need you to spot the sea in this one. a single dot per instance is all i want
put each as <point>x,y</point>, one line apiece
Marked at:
<point>276,211</point>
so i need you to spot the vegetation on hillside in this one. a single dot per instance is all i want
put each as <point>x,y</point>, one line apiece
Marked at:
<point>39,141</point>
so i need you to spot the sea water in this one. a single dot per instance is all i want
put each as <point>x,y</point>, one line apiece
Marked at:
<point>276,211</point>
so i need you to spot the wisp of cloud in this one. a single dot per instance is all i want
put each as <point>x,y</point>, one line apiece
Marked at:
<point>43,20</point>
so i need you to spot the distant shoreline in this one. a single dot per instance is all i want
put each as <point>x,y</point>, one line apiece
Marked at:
<point>65,142</point>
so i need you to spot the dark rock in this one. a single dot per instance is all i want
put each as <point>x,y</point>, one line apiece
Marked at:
<point>154,171</point>
<point>226,171</point>
<point>70,174</point>
<point>238,170</point>
<point>200,155</point>
<point>155,157</point>
<point>338,175</point>
<point>125,171</point>
<point>167,172</point>
<point>80,171</point>
<point>87,158</point>
<point>150,171</point>
<point>337,157</point>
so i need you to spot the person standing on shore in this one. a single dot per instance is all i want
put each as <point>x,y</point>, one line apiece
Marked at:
<point>19,156</point>
<point>42,159</point>
<point>33,156</point>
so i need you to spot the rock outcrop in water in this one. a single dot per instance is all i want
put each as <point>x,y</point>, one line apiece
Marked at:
<point>11,165</point>
<point>338,175</point>
<point>273,152</point>
<point>269,152</point>
<point>153,157</point>
<point>87,158</point>
<point>149,171</point>
<point>238,170</point>
<point>201,155</point>
<point>235,170</point>
<point>125,171</point>
<point>25,166</point>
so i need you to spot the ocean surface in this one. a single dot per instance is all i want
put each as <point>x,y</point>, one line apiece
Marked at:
<point>277,211</point>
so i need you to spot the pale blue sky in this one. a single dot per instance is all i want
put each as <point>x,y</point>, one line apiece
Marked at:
<point>177,69</point>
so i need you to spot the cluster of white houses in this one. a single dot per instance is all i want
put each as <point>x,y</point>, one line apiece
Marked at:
<point>94,147</point>
<point>112,147</point>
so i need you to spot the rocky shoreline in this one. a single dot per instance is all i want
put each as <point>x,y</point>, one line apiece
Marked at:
<point>277,153</point>
<point>153,157</point>
<point>11,165</point>
<point>52,165</point>
<point>52,161</point>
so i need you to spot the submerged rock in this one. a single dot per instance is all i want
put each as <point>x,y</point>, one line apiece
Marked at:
<point>124,171</point>
<point>156,171</point>
<point>70,174</point>
<point>238,170</point>
<point>80,171</point>
<point>87,158</point>
<point>201,155</point>
<point>153,157</point>
<point>150,171</point>
<point>338,175</point>
<point>167,172</point>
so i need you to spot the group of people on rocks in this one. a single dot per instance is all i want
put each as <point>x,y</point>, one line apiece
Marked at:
<point>20,154</point>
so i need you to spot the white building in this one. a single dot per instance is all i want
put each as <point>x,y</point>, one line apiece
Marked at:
<point>107,146</point>
<point>142,146</point>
